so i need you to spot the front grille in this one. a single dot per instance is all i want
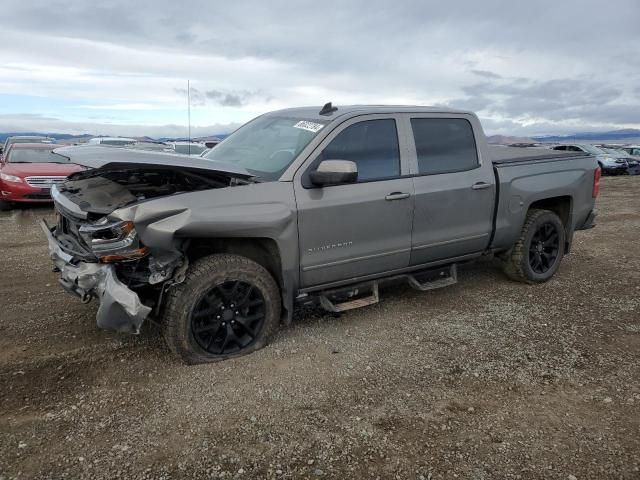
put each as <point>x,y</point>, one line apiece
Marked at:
<point>38,196</point>
<point>44,182</point>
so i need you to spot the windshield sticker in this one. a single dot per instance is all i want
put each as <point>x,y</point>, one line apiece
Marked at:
<point>310,126</point>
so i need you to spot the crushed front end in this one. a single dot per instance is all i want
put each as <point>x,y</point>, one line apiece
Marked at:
<point>120,307</point>
<point>106,260</point>
<point>112,241</point>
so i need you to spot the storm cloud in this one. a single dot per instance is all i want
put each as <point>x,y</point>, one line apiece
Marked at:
<point>539,67</point>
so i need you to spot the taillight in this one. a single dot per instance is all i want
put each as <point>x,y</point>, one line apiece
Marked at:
<point>596,182</point>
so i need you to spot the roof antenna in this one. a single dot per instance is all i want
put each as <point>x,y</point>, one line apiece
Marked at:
<point>328,109</point>
<point>189,114</point>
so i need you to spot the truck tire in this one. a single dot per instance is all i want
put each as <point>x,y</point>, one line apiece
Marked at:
<point>537,254</point>
<point>226,307</point>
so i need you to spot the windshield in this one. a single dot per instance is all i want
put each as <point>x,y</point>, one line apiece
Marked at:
<point>593,150</point>
<point>36,155</point>
<point>267,145</point>
<point>190,149</point>
<point>616,153</point>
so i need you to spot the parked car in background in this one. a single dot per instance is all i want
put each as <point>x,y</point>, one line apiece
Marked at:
<point>211,143</point>
<point>187,148</point>
<point>24,139</point>
<point>112,141</point>
<point>28,171</point>
<point>633,163</point>
<point>608,162</point>
<point>149,146</point>
<point>632,150</point>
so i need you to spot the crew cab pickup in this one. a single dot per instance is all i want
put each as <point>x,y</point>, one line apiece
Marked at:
<point>306,205</point>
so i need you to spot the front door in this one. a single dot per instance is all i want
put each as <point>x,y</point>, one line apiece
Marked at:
<point>359,229</point>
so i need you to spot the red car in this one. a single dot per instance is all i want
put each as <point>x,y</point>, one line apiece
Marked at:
<point>28,170</point>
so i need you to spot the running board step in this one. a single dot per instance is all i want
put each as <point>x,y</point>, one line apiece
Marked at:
<point>331,300</point>
<point>432,279</point>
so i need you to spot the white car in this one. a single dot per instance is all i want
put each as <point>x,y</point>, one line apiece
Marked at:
<point>187,148</point>
<point>112,141</point>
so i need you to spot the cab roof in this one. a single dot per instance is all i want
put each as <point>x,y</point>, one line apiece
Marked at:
<point>352,110</point>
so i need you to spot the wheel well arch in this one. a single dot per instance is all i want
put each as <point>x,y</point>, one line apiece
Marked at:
<point>261,250</point>
<point>561,206</point>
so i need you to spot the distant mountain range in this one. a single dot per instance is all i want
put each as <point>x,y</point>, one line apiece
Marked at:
<point>507,140</point>
<point>68,138</point>
<point>57,136</point>
<point>626,135</point>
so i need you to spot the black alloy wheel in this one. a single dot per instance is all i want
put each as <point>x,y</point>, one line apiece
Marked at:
<point>544,248</point>
<point>536,255</point>
<point>228,317</point>
<point>227,306</point>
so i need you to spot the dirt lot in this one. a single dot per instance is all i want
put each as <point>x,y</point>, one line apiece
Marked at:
<point>486,379</point>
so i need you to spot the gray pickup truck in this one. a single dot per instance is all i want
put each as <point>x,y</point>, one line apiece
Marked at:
<point>306,205</point>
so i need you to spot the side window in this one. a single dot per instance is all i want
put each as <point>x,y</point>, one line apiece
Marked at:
<point>372,145</point>
<point>560,147</point>
<point>444,145</point>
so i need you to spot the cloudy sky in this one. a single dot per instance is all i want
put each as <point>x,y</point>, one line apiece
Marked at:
<point>121,67</point>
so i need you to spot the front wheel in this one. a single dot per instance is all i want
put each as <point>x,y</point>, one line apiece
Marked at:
<point>5,206</point>
<point>537,254</point>
<point>227,306</point>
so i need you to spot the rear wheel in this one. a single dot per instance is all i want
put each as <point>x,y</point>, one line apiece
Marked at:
<point>226,307</point>
<point>537,254</point>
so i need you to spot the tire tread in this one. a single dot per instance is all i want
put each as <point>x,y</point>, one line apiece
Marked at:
<point>513,266</point>
<point>212,266</point>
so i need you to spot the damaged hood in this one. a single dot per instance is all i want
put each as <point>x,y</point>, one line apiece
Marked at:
<point>118,177</point>
<point>117,158</point>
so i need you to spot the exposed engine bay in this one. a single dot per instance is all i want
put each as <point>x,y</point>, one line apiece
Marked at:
<point>101,191</point>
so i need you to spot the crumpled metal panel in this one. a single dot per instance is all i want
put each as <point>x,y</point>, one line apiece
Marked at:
<point>120,307</point>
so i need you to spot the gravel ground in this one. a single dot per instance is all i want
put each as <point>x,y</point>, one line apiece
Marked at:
<point>485,379</point>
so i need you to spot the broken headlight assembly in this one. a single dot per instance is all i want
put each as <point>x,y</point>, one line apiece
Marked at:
<point>113,241</point>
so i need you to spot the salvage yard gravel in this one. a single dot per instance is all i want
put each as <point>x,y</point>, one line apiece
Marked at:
<point>486,379</point>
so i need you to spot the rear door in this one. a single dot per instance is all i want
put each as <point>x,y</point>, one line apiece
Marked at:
<point>454,192</point>
<point>359,229</point>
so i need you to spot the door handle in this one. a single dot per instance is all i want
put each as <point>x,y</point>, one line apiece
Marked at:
<point>396,196</point>
<point>480,185</point>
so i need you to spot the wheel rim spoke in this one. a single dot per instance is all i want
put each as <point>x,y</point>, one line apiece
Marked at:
<point>208,327</point>
<point>229,337</point>
<point>242,301</point>
<point>544,248</point>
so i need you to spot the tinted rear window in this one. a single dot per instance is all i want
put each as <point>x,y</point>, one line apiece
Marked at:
<point>444,145</point>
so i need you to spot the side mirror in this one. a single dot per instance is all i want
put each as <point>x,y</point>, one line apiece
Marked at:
<point>334,172</point>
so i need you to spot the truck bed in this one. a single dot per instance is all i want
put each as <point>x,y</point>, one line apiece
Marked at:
<point>506,155</point>
<point>525,176</point>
